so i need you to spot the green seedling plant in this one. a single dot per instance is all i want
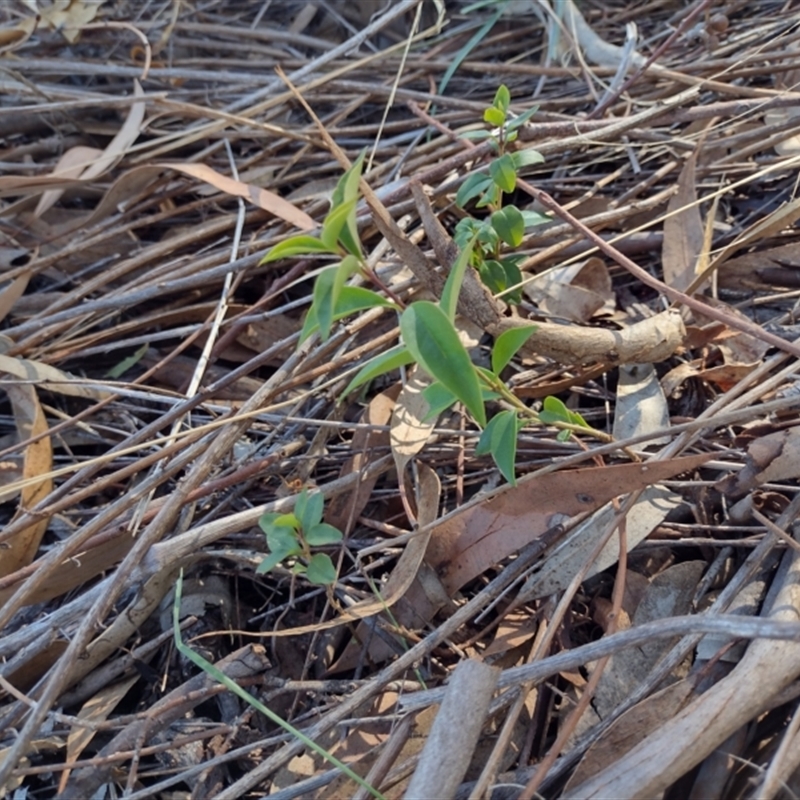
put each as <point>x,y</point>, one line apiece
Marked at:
<point>291,536</point>
<point>505,224</point>
<point>428,332</point>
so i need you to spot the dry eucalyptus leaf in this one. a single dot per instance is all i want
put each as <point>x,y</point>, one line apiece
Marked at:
<point>410,429</point>
<point>669,594</point>
<point>775,457</point>
<point>636,723</point>
<point>683,231</point>
<point>575,292</point>
<point>641,405</point>
<point>568,557</point>
<point>478,536</point>
<point>37,461</point>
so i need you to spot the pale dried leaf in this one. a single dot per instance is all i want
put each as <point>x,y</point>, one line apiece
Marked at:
<point>775,457</point>
<point>97,709</point>
<point>38,460</point>
<point>409,428</point>
<point>478,536</point>
<point>669,594</point>
<point>11,293</point>
<point>641,405</point>
<point>683,231</point>
<point>575,292</point>
<point>568,557</point>
<point>72,164</point>
<point>50,378</point>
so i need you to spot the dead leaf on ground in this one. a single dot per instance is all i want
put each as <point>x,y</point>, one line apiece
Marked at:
<point>683,230</point>
<point>575,292</point>
<point>38,460</point>
<point>65,16</point>
<point>775,457</point>
<point>641,405</point>
<point>635,724</point>
<point>410,428</point>
<point>97,709</point>
<point>669,594</point>
<point>475,538</point>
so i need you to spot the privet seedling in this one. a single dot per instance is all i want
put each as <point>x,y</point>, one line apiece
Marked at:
<point>290,538</point>
<point>428,333</point>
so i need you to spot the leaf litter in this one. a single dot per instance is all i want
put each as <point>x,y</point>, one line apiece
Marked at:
<point>151,157</point>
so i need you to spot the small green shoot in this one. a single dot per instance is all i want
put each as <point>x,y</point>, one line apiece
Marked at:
<point>218,675</point>
<point>291,536</point>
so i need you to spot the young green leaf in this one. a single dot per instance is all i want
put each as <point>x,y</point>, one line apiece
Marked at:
<point>554,410</point>
<point>504,173</point>
<point>500,439</point>
<point>394,358</point>
<point>523,158</point>
<point>283,542</point>
<point>321,534</point>
<point>334,224</point>
<point>268,563</point>
<point>452,286</point>
<point>509,224</point>
<point>494,117</point>
<point>519,121</point>
<point>534,218</point>
<point>507,344</point>
<point>502,98</point>
<point>324,301</point>
<point>473,186</point>
<point>348,267</point>
<point>297,246</point>
<point>347,186</point>
<point>474,135</point>
<point>308,509</point>
<point>320,570</point>
<point>268,521</point>
<point>431,338</point>
<point>439,398</point>
<point>563,436</point>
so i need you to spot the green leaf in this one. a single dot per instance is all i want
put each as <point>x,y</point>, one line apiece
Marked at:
<point>474,40</point>
<point>324,300</point>
<point>474,135</point>
<point>509,224</point>
<point>283,542</point>
<point>432,339</point>
<point>321,534</point>
<point>268,521</point>
<point>502,98</point>
<point>351,300</point>
<point>523,158</point>
<point>120,369</point>
<point>494,117</point>
<point>296,246</point>
<point>334,224</point>
<point>268,563</point>
<point>534,218</point>
<point>320,570</point>
<point>308,509</point>
<point>513,278</point>
<point>396,357</point>
<point>507,344</point>
<point>554,410</point>
<point>500,439</point>
<point>493,275</point>
<point>348,267</point>
<point>519,121</point>
<point>504,173</point>
<point>346,194</point>
<point>439,398</point>
<point>474,185</point>
<point>347,186</point>
<point>563,436</point>
<point>452,286</point>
